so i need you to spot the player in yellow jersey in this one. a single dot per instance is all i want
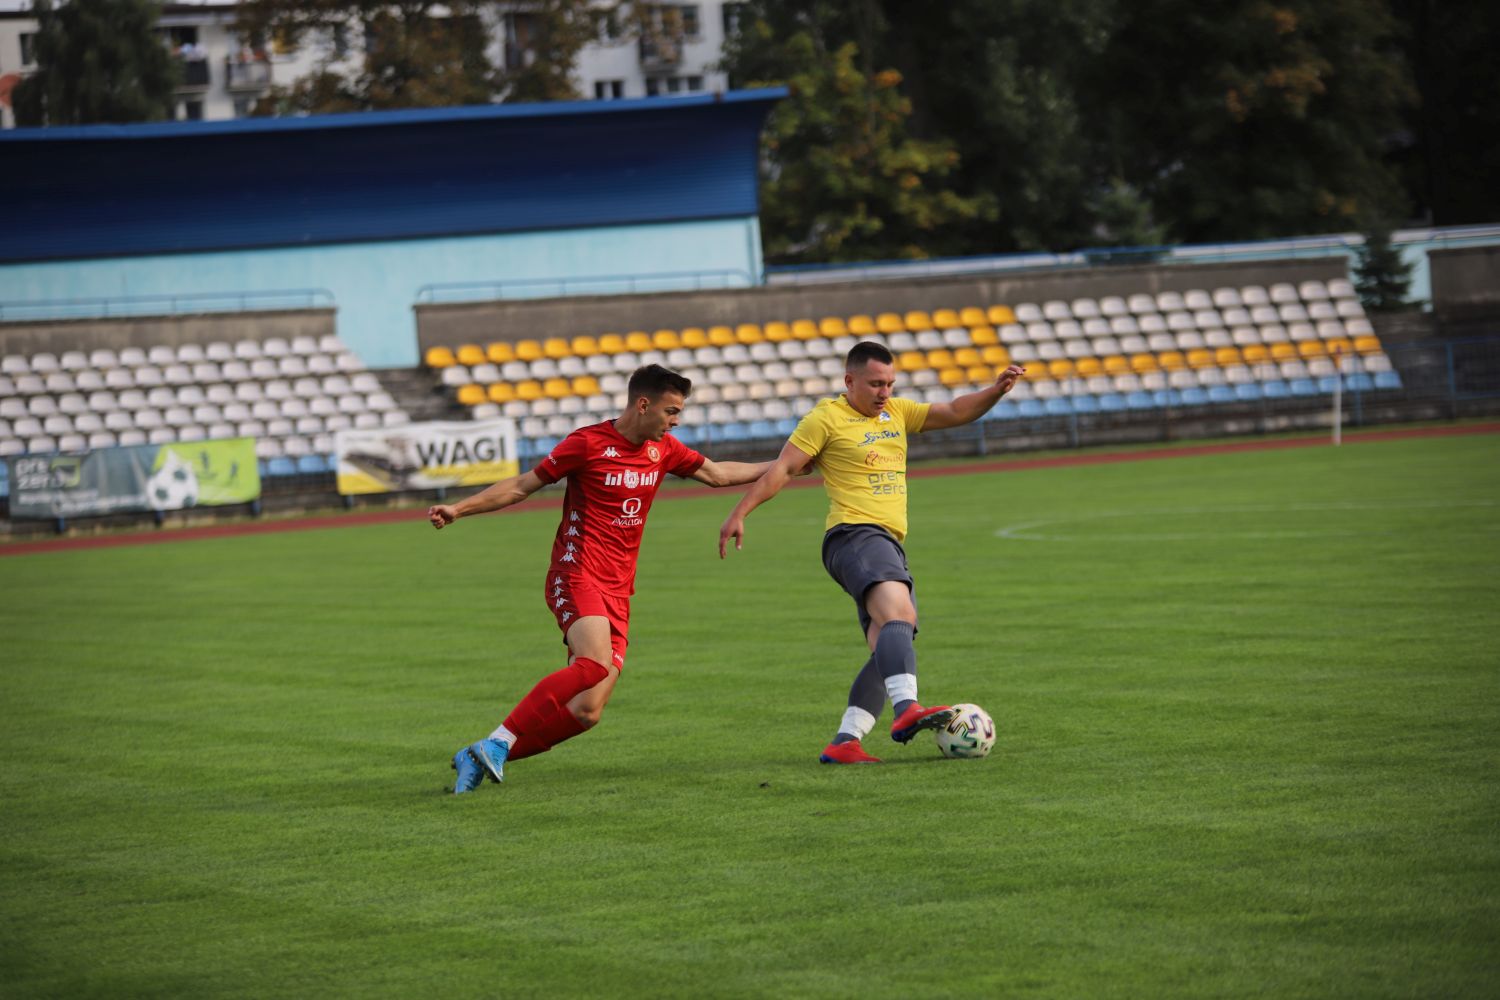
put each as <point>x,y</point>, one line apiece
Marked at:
<point>859,442</point>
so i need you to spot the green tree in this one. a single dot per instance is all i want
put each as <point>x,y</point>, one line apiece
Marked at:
<point>1381,275</point>
<point>98,61</point>
<point>844,179</point>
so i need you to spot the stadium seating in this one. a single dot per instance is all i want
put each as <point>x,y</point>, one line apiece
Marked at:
<point>1117,354</point>
<point>290,395</point>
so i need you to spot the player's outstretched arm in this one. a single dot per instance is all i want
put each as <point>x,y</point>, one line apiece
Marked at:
<point>718,474</point>
<point>791,462</point>
<point>968,408</point>
<point>496,496</point>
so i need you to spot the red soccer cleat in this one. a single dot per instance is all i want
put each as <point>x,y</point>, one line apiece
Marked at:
<point>916,718</point>
<point>846,753</point>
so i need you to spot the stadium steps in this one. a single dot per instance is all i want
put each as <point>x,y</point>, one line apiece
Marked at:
<point>414,392</point>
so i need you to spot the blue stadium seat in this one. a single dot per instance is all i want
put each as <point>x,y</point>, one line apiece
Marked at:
<point>1274,390</point>
<point>1195,396</point>
<point>1303,387</point>
<point>732,432</point>
<point>1085,404</point>
<point>1112,402</point>
<point>1387,380</point>
<point>1167,397</point>
<point>1141,400</point>
<point>1359,382</point>
<point>688,434</point>
<point>1006,409</point>
<point>785,426</point>
<point>279,466</point>
<point>1248,392</point>
<point>1031,408</point>
<point>1220,394</point>
<point>1327,384</point>
<point>1057,406</point>
<point>4,478</point>
<point>761,429</point>
<point>312,464</point>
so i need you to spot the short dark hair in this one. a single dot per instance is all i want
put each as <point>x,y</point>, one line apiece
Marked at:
<point>866,351</point>
<point>653,380</point>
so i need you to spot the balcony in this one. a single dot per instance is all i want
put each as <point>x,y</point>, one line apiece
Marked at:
<point>253,74</point>
<point>195,75</point>
<point>660,51</point>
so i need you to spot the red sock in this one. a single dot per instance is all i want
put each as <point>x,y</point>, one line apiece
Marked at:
<point>552,694</point>
<point>563,725</point>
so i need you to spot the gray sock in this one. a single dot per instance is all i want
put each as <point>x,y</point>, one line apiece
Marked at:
<point>867,693</point>
<point>896,657</point>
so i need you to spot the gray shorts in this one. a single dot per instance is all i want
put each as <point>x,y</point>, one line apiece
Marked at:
<point>858,556</point>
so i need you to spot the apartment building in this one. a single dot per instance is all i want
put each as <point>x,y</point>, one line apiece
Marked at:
<point>223,74</point>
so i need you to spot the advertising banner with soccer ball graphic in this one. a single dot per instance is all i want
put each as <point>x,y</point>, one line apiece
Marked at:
<point>130,480</point>
<point>426,456</point>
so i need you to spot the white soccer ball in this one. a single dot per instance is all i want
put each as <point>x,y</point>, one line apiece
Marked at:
<point>173,486</point>
<point>970,733</point>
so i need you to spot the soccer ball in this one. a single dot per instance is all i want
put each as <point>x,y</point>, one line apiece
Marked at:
<point>173,486</point>
<point>971,733</point>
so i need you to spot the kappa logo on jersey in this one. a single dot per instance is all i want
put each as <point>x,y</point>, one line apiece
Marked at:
<point>573,516</point>
<point>565,616</point>
<point>610,453</point>
<point>572,531</point>
<point>631,479</point>
<point>560,602</point>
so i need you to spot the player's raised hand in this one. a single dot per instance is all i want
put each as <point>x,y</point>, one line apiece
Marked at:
<point>1008,378</point>
<point>441,514</point>
<point>732,528</point>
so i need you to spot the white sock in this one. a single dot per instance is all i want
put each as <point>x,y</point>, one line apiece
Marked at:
<point>901,688</point>
<point>504,734</point>
<point>857,722</point>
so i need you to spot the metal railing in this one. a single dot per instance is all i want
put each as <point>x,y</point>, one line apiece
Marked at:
<point>166,305</point>
<point>600,284</point>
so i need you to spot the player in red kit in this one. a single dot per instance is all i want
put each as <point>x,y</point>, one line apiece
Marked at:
<point>613,471</point>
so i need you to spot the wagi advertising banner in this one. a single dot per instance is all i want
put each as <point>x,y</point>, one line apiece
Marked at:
<point>426,456</point>
<point>146,477</point>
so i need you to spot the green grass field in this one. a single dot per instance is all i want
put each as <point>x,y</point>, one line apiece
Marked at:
<point>1249,712</point>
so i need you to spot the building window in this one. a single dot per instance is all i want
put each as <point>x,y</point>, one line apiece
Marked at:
<point>190,111</point>
<point>28,48</point>
<point>244,107</point>
<point>654,86</point>
<point>609,90</point>
<point>694,83</point>
<point>689,20</point>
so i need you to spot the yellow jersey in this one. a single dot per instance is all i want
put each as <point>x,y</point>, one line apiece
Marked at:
<point>863,459</point>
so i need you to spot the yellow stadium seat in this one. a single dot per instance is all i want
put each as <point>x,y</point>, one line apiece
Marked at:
<point>1000,315</point>
<point>585,346</point>
<point>666,340</point>
<point>941,358</point>
<point>911,361</point>
<point>557,347</point>
<point>1339,346</point>
<point>720,336</point>
<point>500,351</point>
<point>832,326</point>
<point>471,394</point>
<point>967,357</point>
<point>1200,357</point>
<point>1116,364</point>
<point>611,343</point>
<point>1037,371</point>
<point>529,350</point>
<point>1089,366</point>
<point>979,374</point>
<point>916,319</point>
<point>972,316</point>
<point>1227,356</point>
<point>1171,360</point>
<point>1253,353</point>
<point>945,318</point>
<point>529,390</point>
<point>585,385</point>
<point>805,329</point>
<point>501,392</point>
<point>748,333</point>
<point>1143,363</point>
<point>638,341</point>
<point>1283,352</point>
<point>440,357</point>
<point>995,356</point>
<point>951,376</point>
<point>777,331</point>
<point>889,323</point>
<point>983,335</point>
<point>861,325</point>
<point>1061,368</point>
<point>557,388</point>
<point>471,354</point>
<point>1311,349</point>
<point>1367,344</point>
<point>694,337</point>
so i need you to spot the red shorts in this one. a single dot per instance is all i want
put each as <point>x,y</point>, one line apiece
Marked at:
<point>570,598</point>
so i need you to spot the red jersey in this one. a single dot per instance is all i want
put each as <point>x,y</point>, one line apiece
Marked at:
<point>611,484</point>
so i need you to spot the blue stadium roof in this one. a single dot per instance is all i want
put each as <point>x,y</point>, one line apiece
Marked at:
<point>179,187</point>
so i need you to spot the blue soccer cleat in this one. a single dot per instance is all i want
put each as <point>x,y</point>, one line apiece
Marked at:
<point>490,755</point>
<point>470,774</point>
